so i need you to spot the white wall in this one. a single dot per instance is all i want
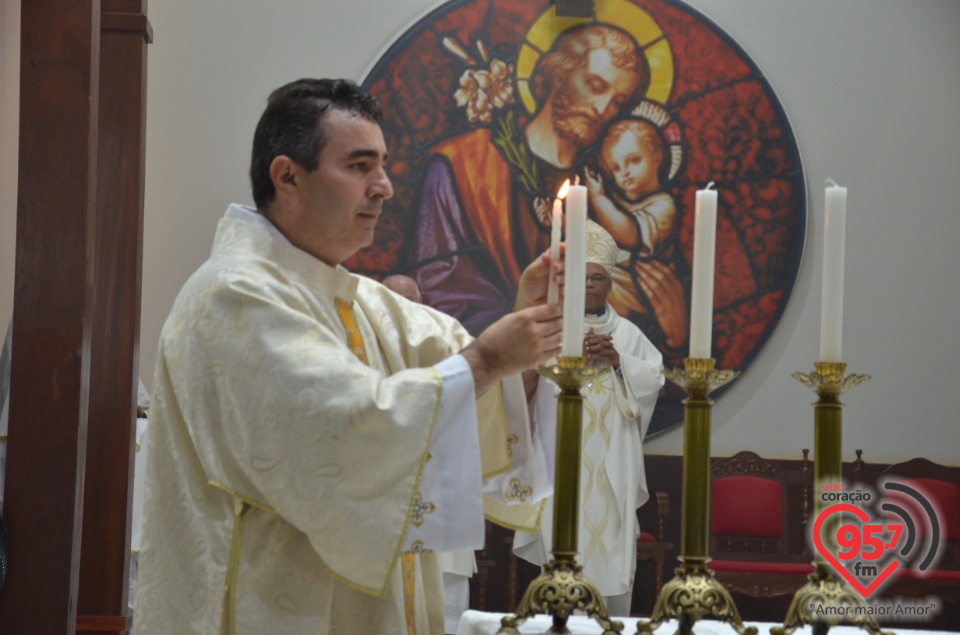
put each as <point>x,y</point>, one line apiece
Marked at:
<point>871,87</point>
<point>9,138</point>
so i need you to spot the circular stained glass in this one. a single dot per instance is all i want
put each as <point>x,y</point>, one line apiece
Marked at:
<point>490,105</point>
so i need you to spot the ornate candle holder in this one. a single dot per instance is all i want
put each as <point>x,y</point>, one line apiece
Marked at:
<point>825,587</point>
<point>562,587</point>
<point>694,593</point>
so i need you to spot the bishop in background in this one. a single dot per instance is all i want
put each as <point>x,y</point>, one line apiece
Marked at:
<point>617,408</point>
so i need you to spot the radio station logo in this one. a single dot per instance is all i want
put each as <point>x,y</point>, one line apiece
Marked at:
<point>875,538</point>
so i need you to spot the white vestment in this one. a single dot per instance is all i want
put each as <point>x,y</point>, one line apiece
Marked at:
<point>311,432</point>
<point>616,412</point>
<point>457,568</point>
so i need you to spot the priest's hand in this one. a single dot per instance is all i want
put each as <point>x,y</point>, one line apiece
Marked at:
<point>535,279</point>
<point>516,342</point>
<point>599,348</point>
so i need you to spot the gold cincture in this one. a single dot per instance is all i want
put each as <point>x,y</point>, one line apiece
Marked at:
<point>825,588</point>
<point>694,593</point>
<point>562,588</point>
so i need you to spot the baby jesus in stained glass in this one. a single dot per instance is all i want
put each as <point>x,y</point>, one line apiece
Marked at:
<point>636,211</point>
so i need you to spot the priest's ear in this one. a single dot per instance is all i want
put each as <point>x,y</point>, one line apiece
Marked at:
<point>285,174</point>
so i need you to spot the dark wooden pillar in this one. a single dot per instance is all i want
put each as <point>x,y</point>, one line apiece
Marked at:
<point>76,321</point>
<point>114,353</point>
<point>53,282</point>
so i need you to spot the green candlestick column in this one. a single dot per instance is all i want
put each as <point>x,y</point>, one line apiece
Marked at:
<point>694,594</point>
<point>825,588</point>
<point>562,588</point>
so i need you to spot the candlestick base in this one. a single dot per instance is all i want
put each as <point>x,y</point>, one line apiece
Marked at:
<point>692,595</point>
<point>826,601</point>
<point>559,591</point>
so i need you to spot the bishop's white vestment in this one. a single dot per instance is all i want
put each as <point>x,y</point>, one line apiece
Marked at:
<point>616,412</point>
<point>314,441</point>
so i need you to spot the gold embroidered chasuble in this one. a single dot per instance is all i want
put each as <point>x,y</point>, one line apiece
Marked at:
<point>295,456</point>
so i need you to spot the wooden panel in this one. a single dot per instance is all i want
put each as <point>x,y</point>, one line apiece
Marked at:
<point>51,325</point>
<point>103,624</point>
<point>114,353</point>
<point>126,15</point>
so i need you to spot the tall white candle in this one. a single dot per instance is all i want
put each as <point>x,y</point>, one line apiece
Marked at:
<point>575,272</point>
<point>553,289</point>
<point>701,298</point>
<point>831,306</point>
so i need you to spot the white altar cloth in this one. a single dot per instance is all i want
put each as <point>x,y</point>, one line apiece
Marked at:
<point>482,623</point>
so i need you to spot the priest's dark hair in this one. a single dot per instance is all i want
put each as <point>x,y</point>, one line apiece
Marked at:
<point>293,125</point>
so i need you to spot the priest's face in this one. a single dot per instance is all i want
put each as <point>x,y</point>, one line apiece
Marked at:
<point>341,201</point>
<point>598,286</point>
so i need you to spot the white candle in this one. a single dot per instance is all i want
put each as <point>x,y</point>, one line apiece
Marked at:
<point>701,297</point>
<point>575,272</point>
<point>831,307</point>
<point>553,289</point>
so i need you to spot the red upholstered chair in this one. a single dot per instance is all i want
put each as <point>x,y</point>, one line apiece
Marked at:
<point>749,537</point>
<point>653,547</point>
<point>941,485</point>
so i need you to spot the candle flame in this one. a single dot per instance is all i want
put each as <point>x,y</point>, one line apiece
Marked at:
<point>564,189</point>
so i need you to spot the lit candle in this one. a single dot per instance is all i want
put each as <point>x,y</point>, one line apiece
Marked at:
<point>575,272</point>
<point>701,297</point>
<point>831,307</point>
<point>553,290</point>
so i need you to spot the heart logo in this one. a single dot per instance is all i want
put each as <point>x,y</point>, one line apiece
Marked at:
<point>865,591</point>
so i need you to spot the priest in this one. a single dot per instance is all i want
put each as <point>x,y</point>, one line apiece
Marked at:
<point>315,438</point>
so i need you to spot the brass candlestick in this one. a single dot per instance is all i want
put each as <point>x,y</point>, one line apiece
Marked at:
<point>694,594</point>
<point>562,588</point>
<point>825,587</point>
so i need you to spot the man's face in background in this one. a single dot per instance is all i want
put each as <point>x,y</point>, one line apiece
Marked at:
<point>597,289</point>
